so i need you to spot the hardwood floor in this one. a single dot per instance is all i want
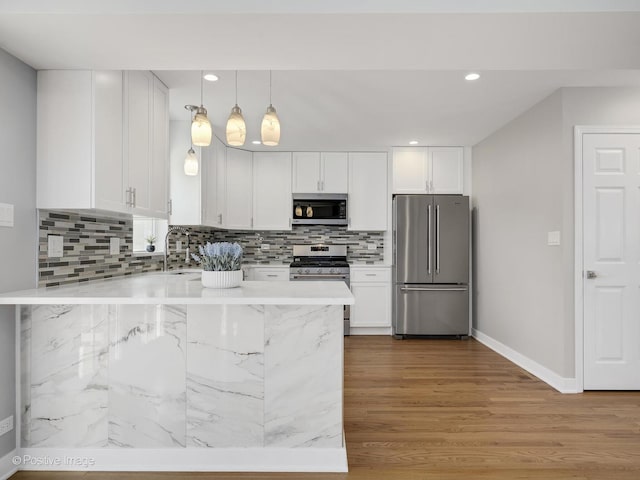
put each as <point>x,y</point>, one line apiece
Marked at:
<point>452,409</point>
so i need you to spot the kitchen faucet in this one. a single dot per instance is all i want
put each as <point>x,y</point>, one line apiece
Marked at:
<point>183,230</point>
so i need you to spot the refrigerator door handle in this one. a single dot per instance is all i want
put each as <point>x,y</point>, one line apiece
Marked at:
<point>426,289</point>
<point>429,239</point>
<point>437,238</point>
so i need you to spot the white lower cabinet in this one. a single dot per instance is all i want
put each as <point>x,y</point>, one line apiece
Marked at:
<point>268,274</point>
<point>371,287</point>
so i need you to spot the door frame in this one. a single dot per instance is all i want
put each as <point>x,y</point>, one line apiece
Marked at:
<point>579,131</point>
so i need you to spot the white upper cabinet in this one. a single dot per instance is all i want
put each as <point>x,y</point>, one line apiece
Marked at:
<point>315,172</point>
<point>79,140</point>
<point>334,176</point>
<point>272,203</point>
<point>102,141</point>
<point>146,139</point>
<point>433,170</point>
<point>447,171</point>
<point>368,202</point>
<point>238,198</point>
<point>214,160</point>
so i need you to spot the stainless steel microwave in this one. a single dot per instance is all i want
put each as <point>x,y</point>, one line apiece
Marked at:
<point>319,209</point>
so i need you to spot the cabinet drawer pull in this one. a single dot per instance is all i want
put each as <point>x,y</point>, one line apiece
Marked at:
<point>371,274</point>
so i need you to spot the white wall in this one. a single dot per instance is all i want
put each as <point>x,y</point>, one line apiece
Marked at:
<point>523,178</point>
<point>17,187</point>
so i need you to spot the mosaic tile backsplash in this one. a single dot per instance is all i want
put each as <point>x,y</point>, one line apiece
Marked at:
<point>86,246</point>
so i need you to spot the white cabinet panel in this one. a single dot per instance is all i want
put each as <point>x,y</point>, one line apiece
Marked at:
<point>214,174</point>
<point>315,172</point>
<point>370,274</point>
<point>446,170</point>
<point>335,171</point>
<point>79,140</point>
<point>110,174</point>
<point>432,170</point>
<point>270,274</point>
<point>138,120</point>
<point>368,202</point>
<point>159,173</point>
<point>238,201</point>
<point>373,305</point>
<point>410,174</point>
<point>306,172</point>
<point>272,191</point>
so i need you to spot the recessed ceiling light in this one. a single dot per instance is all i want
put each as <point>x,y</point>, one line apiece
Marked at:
<point>472,76</point>
<point>211,77</point>
<point>413,142</point>
<point>256,142</point>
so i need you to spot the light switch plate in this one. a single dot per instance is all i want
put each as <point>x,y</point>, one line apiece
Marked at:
<point>114,246</point>
<point>553,238</point>
<point>265,246</point>
<point>371,246</point>
<point>55,246</point>
<point>6,215</point>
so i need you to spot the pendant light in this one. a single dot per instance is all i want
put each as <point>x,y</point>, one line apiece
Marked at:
<point>270,130</point>
<point>236,127</point>
<point>200,126</point>
<point>191,161</point>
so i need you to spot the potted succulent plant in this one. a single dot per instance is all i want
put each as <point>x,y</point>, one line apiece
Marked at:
<point>151,239</point>
<point>221,262</point>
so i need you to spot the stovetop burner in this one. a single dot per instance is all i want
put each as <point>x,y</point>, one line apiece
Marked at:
<point>318,262</point>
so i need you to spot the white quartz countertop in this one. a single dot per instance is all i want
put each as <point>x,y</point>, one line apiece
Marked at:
<point>159,288</point>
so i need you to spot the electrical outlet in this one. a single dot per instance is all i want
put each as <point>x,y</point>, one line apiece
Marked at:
<point>55,244</point>
<point>6,425</point>
<point>371,246</point>
<point>553,238</point>
<point>178,246</point>
<point>265,246</point>
<point>114,246</point>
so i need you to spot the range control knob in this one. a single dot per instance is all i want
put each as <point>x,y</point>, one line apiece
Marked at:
<point>299,270</point>
<point>306,270</point>
<point>332,271</point>
<point>319,270</point>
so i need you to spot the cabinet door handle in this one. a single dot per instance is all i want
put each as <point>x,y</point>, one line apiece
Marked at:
<point>134,198</point>
<point>426,186</point>
<point>322,185</point>
<point>219,219</point>
<point>318,185</point>
<point>437,238</point>
<point>170,206</point>
<point>371,274</point>
<point>271,275</point>
<point>127,200</point>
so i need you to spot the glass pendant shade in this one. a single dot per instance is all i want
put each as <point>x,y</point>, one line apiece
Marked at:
<point>270,130</point>
<point>201,128</point>
<point>236,128</point>
<point>191,163</point>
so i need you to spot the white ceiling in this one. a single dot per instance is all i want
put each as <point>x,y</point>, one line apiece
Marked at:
<point>347,74</point>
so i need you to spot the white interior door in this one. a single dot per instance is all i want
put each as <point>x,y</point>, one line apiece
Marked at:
<point>611,223</point>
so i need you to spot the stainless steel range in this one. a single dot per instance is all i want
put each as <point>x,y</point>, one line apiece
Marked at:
<point>321,262</point>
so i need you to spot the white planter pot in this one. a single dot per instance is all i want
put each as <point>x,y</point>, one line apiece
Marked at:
<point>222,279</point>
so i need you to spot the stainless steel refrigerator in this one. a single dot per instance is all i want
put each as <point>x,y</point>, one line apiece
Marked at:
<point>430,265</point>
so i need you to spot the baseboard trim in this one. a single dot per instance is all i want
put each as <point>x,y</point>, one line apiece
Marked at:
<point>7,465</point>
<point>561,384</point>
<point>187,459</point>
<point>370,331</point>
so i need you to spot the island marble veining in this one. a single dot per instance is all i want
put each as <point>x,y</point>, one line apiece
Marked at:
<point>175,376</point>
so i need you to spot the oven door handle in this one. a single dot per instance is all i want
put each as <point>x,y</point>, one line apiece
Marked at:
<point>326,277</point>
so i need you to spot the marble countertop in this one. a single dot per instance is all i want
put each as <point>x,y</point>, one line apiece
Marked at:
<point>186,288</point>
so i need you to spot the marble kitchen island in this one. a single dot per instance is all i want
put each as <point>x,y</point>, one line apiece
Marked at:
<point>153,372</point>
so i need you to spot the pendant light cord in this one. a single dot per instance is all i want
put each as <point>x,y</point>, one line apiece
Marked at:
<point>236,87</point>
<point>201,88</point>
<point>270,102</point>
